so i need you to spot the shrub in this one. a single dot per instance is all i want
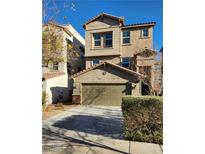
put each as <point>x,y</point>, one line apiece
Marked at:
<point>143,118</point>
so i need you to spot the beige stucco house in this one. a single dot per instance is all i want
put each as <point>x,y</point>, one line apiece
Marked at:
<point>55,77</point>
<point>110,49</point>
<point>107,38</point>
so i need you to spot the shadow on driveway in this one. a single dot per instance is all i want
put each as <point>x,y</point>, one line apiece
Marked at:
<point>97,125</point>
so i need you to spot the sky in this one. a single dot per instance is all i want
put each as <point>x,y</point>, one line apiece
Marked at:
<point>77,12</point>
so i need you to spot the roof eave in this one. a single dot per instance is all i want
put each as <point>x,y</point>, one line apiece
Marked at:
<point>59,26</point>
<point>114,65</point>
<point>121,20</point>
<point>136,26</point>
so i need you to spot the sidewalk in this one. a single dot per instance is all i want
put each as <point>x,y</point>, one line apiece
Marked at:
<point>59,141</point>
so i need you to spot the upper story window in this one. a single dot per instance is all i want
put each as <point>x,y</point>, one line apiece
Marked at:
<point>108,39</point>
<point>105,38</point>
<point>97,40</point>
<point>144,32</point>
<point>126,37</point>
<point>126,62</point>
<point>96,61</point>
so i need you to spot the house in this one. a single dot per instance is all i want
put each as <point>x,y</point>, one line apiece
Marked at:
<point>157,78</point>
<point>71,42</point>
<point>110,49</point>
<point>79,45</point>
<point>161,68</point>
<point>55,75</point>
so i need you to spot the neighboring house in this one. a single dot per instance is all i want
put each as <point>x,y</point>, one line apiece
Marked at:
<point>157,78</point>
<point>72,42</point>
<point>55,84</point>
<point>55,77</point>
<point>110,48</point>
<point>79,44</point>
<point>161,63</point>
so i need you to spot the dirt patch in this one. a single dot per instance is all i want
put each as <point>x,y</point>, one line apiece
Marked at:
<point>54,109</point>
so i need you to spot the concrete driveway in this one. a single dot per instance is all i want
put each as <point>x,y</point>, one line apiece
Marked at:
<point>92,130</point>
<point>92,122</point>
<point>96,120</point>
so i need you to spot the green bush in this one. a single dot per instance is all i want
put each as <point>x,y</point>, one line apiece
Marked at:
<point>143,118</point>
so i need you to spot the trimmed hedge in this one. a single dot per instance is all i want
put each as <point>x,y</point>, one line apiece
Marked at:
<point>143,118</point>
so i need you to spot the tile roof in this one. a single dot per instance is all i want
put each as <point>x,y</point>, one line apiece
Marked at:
<point>108,63</point>
<point>121,19</point>
<point>140,24</point>
<point>49,75</point>
<point>104,14</point>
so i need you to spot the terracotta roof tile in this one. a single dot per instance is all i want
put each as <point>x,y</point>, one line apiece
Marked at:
<point>140,24</point>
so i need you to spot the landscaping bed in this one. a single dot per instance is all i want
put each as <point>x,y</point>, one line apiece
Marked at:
<point>54,109</point>
<point>143,118</point>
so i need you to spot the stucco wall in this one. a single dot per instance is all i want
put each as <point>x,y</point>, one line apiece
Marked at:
<point>57,89</point>
<point>102,23</point>
<point>91,51</point>
<point>105,75</point>
<point>136,42</point>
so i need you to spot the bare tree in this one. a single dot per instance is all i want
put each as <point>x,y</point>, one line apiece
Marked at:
<point>55,51</point>
<point>51,10</point>
<point>52,46</point>
<point>73,58</point>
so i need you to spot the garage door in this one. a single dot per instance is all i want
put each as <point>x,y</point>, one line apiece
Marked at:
<point>104,94</point>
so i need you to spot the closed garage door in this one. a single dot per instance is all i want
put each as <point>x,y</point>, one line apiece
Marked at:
<point>104,94</point>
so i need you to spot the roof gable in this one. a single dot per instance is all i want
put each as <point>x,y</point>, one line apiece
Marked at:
<point>111,64</point>
<point>105,15</point>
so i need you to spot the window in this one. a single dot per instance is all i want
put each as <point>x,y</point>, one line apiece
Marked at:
<point>108,39</point>
<point>55,66</point>
<point>97,40</point>
<point>126,37</point>
<point>96,61</point>
<point>145,32</point>
<point>126,62</point>
<point>105,38</point>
